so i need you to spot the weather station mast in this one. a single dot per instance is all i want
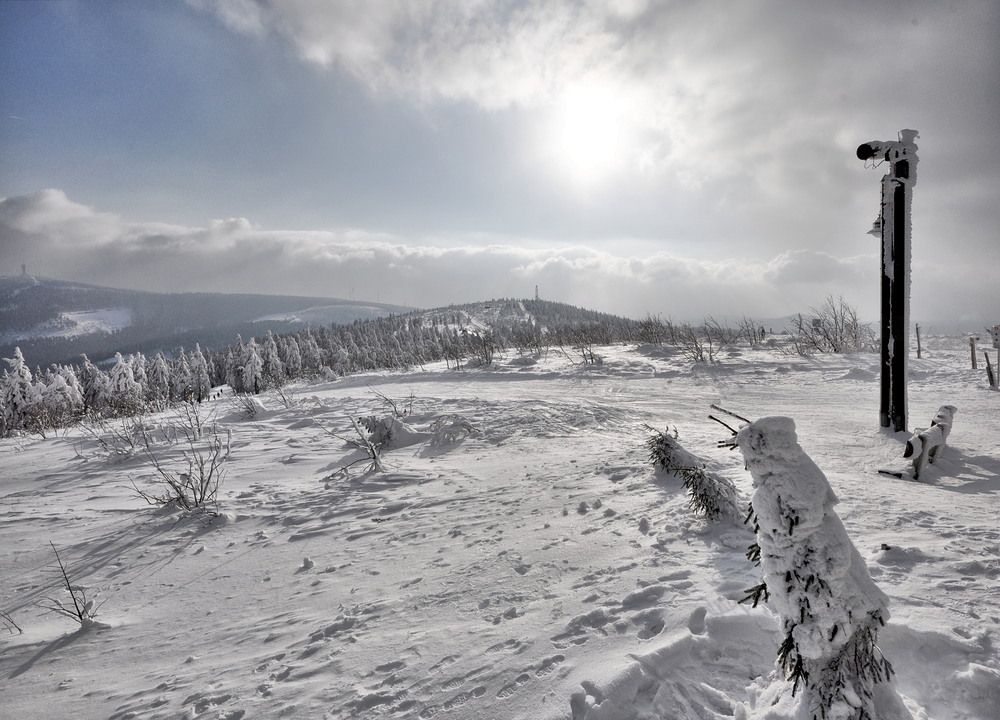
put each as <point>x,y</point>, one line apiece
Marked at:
<point>893,227</point>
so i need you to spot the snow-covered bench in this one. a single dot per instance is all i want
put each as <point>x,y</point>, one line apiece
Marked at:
<point>923,446</point>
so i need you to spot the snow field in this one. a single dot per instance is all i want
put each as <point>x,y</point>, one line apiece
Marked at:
<point>537,568</point>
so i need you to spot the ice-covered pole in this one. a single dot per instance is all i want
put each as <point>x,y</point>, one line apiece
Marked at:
<point>893,226</point>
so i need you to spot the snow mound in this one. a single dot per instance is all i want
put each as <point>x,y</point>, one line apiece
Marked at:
<point>859,374</point>
<point>690,675</point>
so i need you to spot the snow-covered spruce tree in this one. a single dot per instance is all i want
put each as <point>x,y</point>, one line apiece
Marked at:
<point>290,357</point>
<point>19,397</point>
<point>94,386</point>
<point>125,394</point>
<point>273,370</point>
<point>60,401</point>
<point>201,385</point>
<point>251,372</point>
<point>712,495</point>
<point>829,666</point>
<point>74,392</point>
<point>234,365</point>
<point>309,352</point>
<point>180,377</point>
<point>158,383</point>
<point>138,363</point>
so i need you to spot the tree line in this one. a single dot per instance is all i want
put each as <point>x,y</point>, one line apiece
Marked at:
<point>65,393</point>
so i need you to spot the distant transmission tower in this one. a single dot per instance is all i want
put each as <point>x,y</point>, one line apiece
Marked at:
<point>536,292</point>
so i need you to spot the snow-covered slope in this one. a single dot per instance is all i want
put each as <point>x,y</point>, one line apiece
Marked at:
<point>321,315</point>
<point>74,324</point>
<point>535,568</point>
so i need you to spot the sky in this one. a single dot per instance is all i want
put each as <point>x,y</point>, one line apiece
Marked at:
<point>679,158</point>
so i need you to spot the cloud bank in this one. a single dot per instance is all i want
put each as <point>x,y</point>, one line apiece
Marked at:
<point>57,237</point>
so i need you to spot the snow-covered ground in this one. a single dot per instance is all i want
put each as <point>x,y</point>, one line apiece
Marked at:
<point>536,568</point>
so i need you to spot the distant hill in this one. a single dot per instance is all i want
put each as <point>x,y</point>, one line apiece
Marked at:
<point>55,320</point>
<point>503,313</point>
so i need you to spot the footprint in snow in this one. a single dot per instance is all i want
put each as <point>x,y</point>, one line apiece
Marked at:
<point>548,665</point>
<point>453,683</point>
<point>507,690</point>
<point>500,647</point>
<point>390,666</point>
<point>443,662</point>
<point>462,698</point>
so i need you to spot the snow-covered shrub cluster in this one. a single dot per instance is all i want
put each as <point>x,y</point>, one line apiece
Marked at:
<point>833,327</point>
<point>829,664</point>
<point>712,495</point>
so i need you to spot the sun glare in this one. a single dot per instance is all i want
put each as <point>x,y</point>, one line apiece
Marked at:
<point>589,132</point>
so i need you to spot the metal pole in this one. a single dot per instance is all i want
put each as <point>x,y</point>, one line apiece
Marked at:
<point>899,311</point>
<point>893,226</point>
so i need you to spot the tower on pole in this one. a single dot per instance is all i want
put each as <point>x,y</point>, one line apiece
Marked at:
<point>893,227</point>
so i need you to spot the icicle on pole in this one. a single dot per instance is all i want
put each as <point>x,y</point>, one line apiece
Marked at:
<point>893,226</point>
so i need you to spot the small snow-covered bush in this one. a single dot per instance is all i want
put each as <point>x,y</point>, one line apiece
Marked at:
<point>819,585</point>
<point>712,495</point>
<point>449,429</point>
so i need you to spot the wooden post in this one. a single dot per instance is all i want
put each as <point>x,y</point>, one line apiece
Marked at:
<point>918,341</point>
<point>972,347</point>
<point>923,447</point>
<point>989,370</point>
<point>893,225</point>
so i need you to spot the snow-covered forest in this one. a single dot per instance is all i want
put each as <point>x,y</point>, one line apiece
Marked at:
<point>476,335</point>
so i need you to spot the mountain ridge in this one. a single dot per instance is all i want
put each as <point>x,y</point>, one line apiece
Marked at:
<point>43,317</point>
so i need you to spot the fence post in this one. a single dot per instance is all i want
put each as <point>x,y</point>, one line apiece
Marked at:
<point>918,341</point>
<point>972,347</point>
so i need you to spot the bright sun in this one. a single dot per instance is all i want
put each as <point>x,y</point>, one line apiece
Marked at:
<point>588,135</point>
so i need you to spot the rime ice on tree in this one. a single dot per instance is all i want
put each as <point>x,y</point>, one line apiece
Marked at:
<point>893,226</point>
<point>829,666</point>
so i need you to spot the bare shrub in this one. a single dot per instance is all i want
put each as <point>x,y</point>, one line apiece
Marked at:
<point>287,397</point>
<point>749,330</point>
<point>8,623</point>
<point>653,330</point>
<point>400,409</point>
<point>197,488</point>
<point>484,346</point>
<point>833,328</point>
<point>719,334</point>
<point>83,610</point>
<point>247,405</point>
<point>691,344</point>
<point>584,348</point>
<point>379,432</point>
<point>118,440</point>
